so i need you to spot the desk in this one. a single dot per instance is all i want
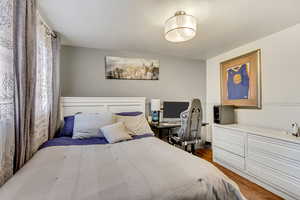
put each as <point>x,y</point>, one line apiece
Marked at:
<point>158,127</point>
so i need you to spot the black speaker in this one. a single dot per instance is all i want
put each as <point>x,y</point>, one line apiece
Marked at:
<point>224,114</point>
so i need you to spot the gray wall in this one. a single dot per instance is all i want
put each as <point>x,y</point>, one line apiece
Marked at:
<point>280,81</point>
<point>83,75</point>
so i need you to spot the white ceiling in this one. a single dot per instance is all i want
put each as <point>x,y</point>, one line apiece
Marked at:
<point>138,25</point>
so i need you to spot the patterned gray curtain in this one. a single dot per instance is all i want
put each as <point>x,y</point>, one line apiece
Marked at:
<point>25,77</point>
<point>7,136</point>
<point>55,109</point>
<point>29,84</point>
<point>37,81</point>
<point>43,89</point>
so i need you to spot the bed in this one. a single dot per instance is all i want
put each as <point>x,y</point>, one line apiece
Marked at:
<point>142,168</point>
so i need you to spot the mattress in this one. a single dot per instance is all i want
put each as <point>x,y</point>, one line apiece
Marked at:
<point>147,168</point>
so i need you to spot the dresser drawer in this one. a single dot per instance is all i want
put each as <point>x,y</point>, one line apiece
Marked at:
<point>228,158</point>
<point>273,147</point>
<point>286,184</point>
<point>230,140</point>
<point>287,167</point>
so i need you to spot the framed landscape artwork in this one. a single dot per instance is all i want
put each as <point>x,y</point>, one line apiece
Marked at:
<point>241,81</point>
<point>131,68</point>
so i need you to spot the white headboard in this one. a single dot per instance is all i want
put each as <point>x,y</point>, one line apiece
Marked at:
<point>72,105</point>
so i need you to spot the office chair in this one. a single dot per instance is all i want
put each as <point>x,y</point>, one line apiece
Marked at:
<point>190,132</point>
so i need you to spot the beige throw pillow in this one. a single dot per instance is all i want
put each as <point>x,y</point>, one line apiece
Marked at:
<point>137,125</point>
<point>115,132</point>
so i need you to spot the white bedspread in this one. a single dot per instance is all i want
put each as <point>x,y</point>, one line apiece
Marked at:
<point>145,168</point>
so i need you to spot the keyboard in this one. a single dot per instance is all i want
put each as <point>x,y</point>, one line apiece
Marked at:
<point>169,123</point>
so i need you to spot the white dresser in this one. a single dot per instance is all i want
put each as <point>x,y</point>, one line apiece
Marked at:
<point>267,157</point>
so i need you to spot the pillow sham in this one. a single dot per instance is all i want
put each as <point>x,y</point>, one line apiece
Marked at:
<point>137,125</point>
<point>87,125</point>
<point>115,132</point>
<point>67,127</point>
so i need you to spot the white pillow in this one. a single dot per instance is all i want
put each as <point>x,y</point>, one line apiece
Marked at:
<point>137,125</point>
<point>115,132</point>
<point>87,125</point>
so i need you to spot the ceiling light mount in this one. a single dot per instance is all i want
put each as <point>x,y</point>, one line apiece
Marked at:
<point>180,13</point>
<point>181,27</point>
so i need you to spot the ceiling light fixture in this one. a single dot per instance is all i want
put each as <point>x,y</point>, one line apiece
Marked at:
<point>181,27</point>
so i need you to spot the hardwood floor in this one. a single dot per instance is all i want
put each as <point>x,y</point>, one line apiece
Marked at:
<point>250,190</point>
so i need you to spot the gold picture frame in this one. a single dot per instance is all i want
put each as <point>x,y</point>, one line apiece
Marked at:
<point>241,80</point>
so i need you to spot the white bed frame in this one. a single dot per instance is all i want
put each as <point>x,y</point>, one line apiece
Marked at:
<point>73,105</point>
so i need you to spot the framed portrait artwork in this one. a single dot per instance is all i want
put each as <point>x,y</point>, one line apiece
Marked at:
<point>241,81</point>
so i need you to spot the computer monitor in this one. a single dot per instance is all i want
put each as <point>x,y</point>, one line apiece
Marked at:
<point>172,110</point>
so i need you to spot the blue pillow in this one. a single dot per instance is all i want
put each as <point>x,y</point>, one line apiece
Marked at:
<point>67,129</point>
<point>136,113</point>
